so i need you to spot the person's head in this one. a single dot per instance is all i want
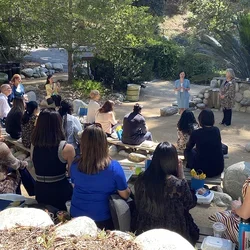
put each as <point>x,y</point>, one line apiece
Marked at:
<point>107,107</point>
<point>182,74</point>
<point>230,74</point>
<point>66,107</point>
<point>48,131</point>
<point>16,79</point>
<point>49,79</point>
<point>186,122</point>
<point>94,95</point>
<point>6,89</point>
<point>94,150</point>
<point>164,163</point>
<point>31,109</point>
<point>18,104</point>
<point>206,118</point>
<point>137,108</point>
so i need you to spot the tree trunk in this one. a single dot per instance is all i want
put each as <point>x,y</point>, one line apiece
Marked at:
<point>70,67</point>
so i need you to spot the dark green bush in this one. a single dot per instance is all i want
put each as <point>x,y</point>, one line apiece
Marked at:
<point>85,86</point>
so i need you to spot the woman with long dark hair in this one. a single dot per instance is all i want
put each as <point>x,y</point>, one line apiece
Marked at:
<point>106,117</point>
<point>162,196</point>
<point>71,124</point>
<point>28,122</point>
<point>185,126</point>
<point>51,154</point>
<point>204,148</point>
<point>14,117</point>
<point>95,177</point>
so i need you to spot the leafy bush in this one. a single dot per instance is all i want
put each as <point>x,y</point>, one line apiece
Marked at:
<point>85,86</point>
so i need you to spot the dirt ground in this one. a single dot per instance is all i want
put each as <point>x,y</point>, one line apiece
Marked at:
<point>160,94</point>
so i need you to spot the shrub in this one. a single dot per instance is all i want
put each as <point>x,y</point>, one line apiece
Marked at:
<point>85,86</point>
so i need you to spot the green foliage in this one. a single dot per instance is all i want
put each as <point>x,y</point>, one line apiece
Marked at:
<point>244,31</point>
<point>85,86</point>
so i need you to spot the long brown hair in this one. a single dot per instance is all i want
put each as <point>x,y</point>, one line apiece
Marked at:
<point>94,150</point>
<point>48,131</point>
<point>18,105</point>
<point>107,107</point>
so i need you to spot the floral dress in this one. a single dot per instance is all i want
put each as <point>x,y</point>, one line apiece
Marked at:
<point>27,130</point>
<point>230,219</point>
<point>182,140</point>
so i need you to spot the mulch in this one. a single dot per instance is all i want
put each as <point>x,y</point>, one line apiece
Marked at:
<point>27,238</point>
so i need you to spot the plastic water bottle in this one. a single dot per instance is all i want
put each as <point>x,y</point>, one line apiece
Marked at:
<point>244,234</point>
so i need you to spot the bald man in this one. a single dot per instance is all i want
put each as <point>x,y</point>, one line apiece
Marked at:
<point>4,105</point>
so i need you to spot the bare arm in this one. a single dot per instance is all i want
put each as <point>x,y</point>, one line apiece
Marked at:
<point>244,210</point>
<point>68,154</point>
<point>124,193</point>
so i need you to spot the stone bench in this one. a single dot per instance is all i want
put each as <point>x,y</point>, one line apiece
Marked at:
<point>146,145</point>
<point>16,143</point>
<point>204,232</point>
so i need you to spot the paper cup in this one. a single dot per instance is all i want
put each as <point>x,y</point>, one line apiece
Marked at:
<point>219,229</point>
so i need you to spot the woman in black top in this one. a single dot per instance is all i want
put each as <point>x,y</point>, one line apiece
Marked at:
<point>14,117</point>
<point>207,155</point>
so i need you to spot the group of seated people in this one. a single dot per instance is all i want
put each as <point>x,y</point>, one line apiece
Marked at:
<point>162,195</point>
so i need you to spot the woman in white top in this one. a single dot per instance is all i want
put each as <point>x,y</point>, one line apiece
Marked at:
<point>93,105</point>
<point>105,116</point>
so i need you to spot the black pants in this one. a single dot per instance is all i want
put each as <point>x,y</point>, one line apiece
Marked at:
<point>107,224</point>
<point>227,116</point>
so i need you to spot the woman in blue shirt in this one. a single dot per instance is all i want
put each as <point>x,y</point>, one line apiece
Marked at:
<point>17,88</point>
<point>182,86</point>
<point>95,177</point>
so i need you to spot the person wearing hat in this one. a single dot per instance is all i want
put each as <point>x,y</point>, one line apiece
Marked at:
<point>134,127</point>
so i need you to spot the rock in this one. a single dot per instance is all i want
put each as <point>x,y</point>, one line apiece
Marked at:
<point>214,84</point>
<point>112,150</point>
<point>43,70</point>
<point>175,104</point>
<point>201,106</point>
<point>135,157</point>
<point>171,110</point>
<point>222,199</point>
<point>22,76</point>
<point>201,96</point>
<point>162,239</point>
<point>247,147</point>
<point>243,109</point>
<point>78,104</point>
<point>27,72</point>
<point>119,97</point>
<point>197,100</point>
<point>246,94</point>
<point>48,65</point>
<point>237,87</point>
<point>238,97</point>
<point>205,101</point>
<point>43,74</point>
<point>123,153</point>
<point>122,235</point>
<point>248,110</point>
<point>237,106</point>
<point>36,75</point>
<point>206,95</point>
<point>3,77</point>
<point>234,178</point>
<point>31,96</point>
<point>58,66</point>
<point>36,70</point>
<point>25,217</point>
<point>191,104</point>
<point>243,86</point>
<point>79,226</point>
<point>51,71</point>
<point>245,102</point>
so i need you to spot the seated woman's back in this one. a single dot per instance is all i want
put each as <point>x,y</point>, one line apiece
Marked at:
<point>163,198</point>
<point>13,120</point>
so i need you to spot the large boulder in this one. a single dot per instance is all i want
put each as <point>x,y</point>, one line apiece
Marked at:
<point>245,102</point>
<point>30,88</point>
<point>234,178</point>
<point>57,66</point>
<point>237,106</point>
<point>48,65</point>
<point>25,217</point>
<point>238,97</point>
<point>28,72</point>
<point>222,199</point>
<point>201,106</point>
<point>113,150</point>
<point>214,84</point>
<point>197,100</point>
<point>167,111</point>
<point>78,104</point>
<point>247,147</point>
<point>162,239</point>
<point>248,110</point>
<point>246,94</point>
<point>3,77</point>
<point>79,226</point>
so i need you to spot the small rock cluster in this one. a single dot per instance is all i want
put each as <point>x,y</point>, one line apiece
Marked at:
<point>42,71</point>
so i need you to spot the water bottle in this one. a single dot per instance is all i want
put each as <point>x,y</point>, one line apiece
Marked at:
<point>244,234</point>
